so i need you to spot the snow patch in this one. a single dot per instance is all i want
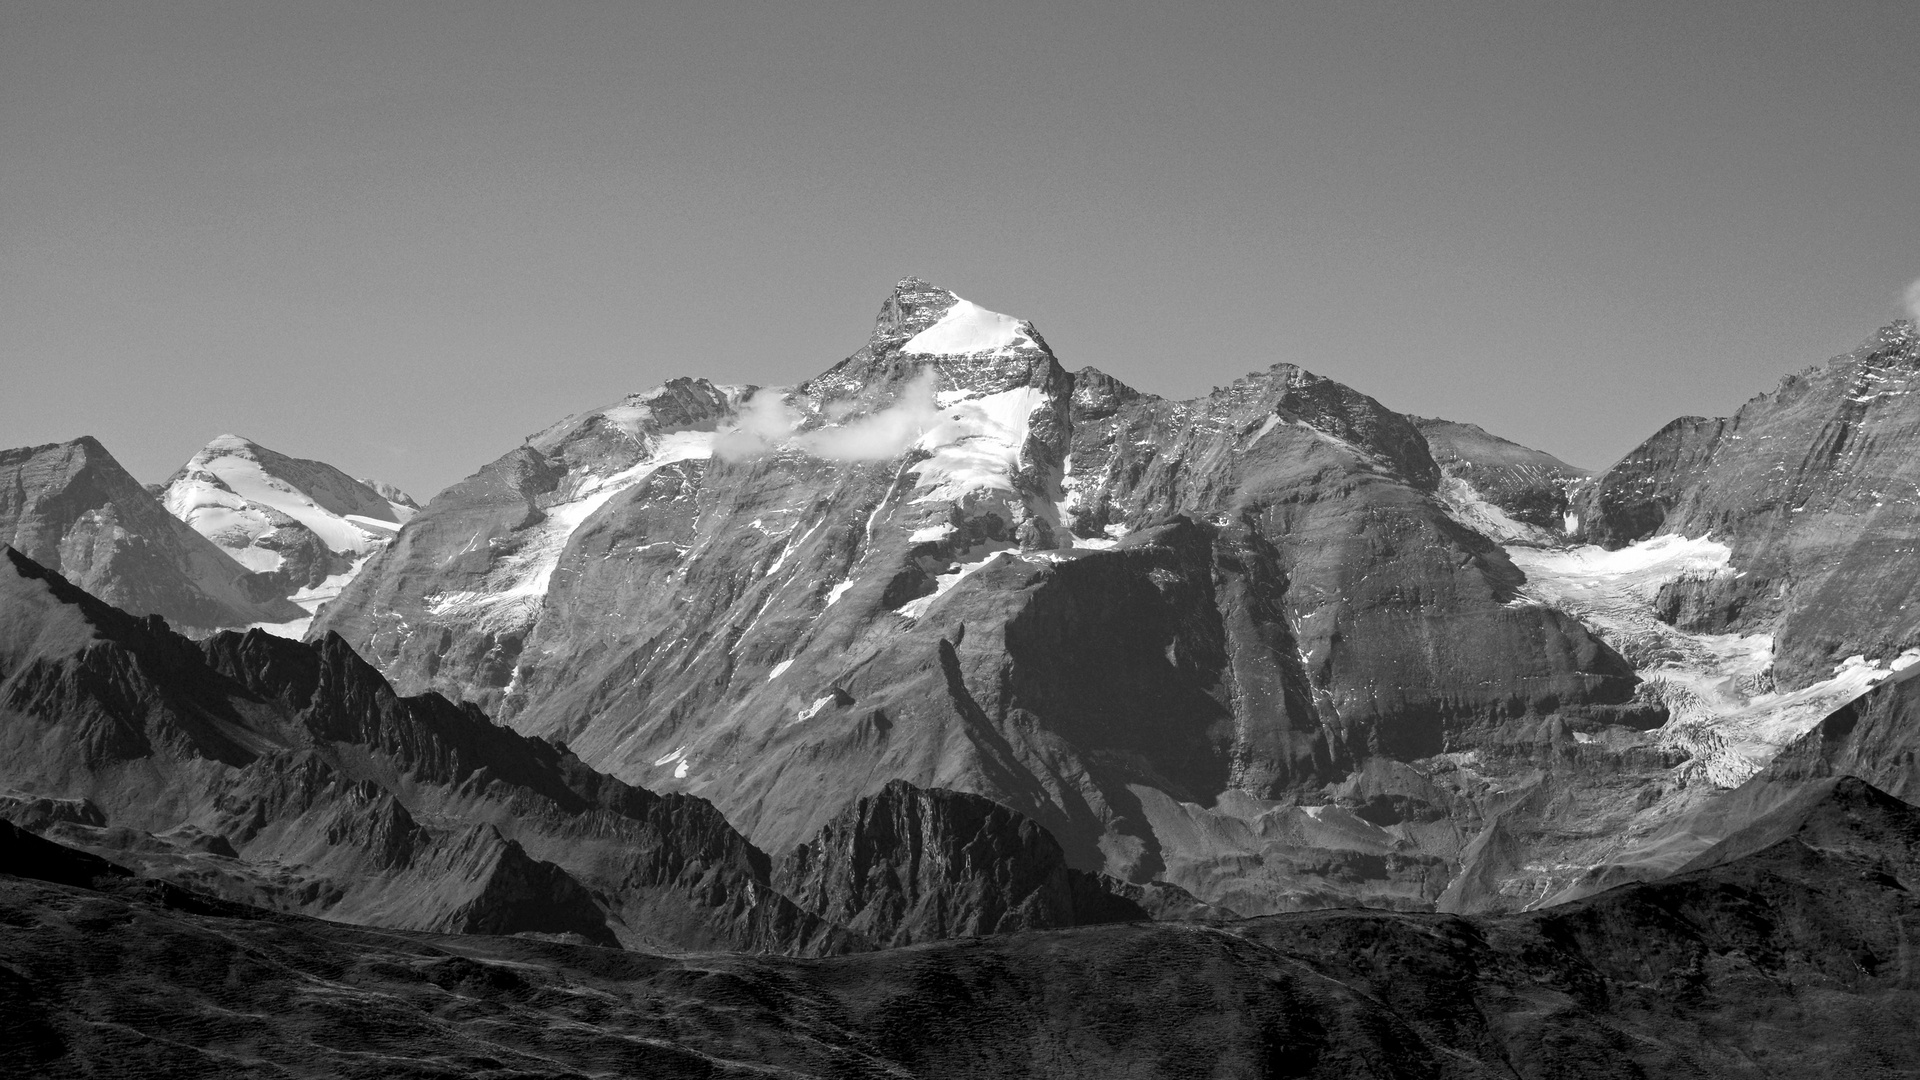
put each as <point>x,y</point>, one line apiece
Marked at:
<point>838,591</point>
<point>943,583</point>
<point>813,710</point>
<point>1273,421</point>
<point>779,669</point>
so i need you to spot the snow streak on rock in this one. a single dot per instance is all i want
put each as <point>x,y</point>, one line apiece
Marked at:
<point>515,586</point>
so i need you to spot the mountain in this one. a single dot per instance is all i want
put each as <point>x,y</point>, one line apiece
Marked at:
<point>73,508</point>
<point>1174,633</point>
<point>1813,490</point>
<point>302,526</point>
<point>290,776</point>
<point>1273,648</point>
<point>1788,960</point>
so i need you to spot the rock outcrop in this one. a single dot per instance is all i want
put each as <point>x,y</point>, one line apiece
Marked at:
<point>907,865</point>
<point>71,507</point>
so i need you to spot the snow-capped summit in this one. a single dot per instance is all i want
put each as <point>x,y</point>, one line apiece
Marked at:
<point>305,523</point>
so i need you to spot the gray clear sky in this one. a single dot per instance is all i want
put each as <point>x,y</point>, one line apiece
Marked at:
<point>400,236</point>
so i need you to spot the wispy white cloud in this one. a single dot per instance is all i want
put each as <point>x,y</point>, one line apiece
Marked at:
<point>767,423</point>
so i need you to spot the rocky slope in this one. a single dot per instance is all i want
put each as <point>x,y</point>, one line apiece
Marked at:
<point>1789,960</point>
<point>1504,490</point>
<point>291,776</point>
<point>71,507</point>
<point>906,865</point>
<point>1816,490</point>
<point>1172,633</point>
<point>302,526</point>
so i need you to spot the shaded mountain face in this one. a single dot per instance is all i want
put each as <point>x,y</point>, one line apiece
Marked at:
<point>291,776</point>
<point>1813,488</point>
<point>905,865</point>
<point>71,507</point>
<point>1154,627</point>
<point>302,526</point>
<point>1790,959</point>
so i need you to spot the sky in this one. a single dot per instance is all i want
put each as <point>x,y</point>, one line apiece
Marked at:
<point>399,237</point>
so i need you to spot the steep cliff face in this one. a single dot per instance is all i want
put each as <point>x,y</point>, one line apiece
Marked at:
<point>292,776</point>
<point>70,506</point>
<point>1813,487</point>
<point>1150,626</point>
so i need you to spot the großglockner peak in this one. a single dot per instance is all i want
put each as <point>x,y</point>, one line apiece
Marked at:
<point>1197,641</point>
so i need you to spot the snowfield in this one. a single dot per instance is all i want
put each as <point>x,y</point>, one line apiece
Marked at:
<point>967,329</point>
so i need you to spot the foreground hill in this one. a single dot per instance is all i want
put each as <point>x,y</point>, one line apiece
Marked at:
<point>1790,959</point>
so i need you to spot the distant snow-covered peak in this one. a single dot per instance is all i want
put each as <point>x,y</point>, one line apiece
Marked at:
<point>302,519</point>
